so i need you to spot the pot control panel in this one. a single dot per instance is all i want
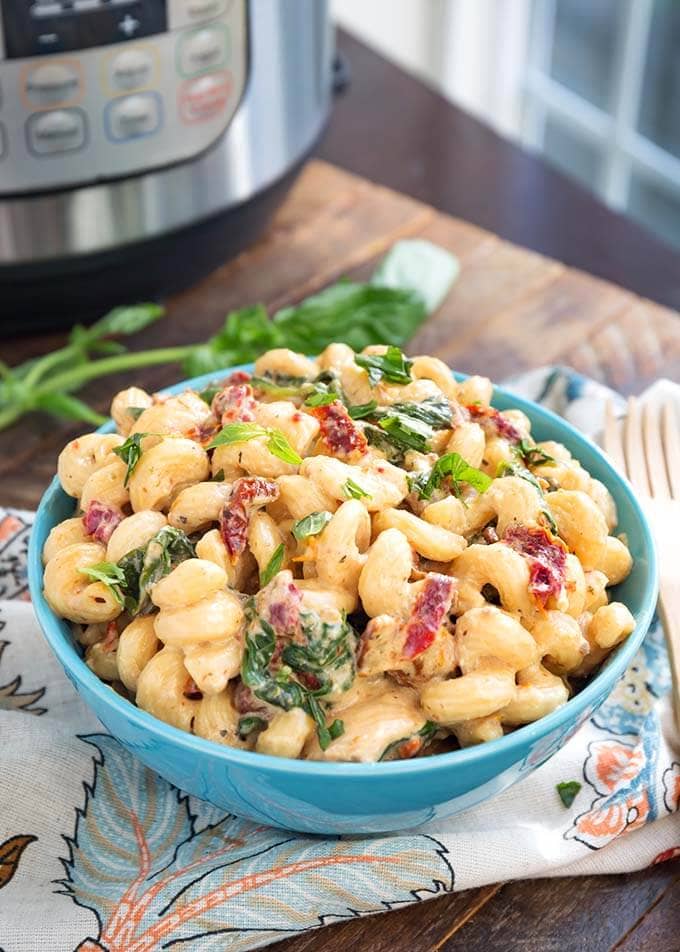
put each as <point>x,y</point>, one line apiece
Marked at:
<point>101,89</point>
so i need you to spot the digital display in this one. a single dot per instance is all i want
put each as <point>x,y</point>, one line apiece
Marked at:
<point>35,27</point>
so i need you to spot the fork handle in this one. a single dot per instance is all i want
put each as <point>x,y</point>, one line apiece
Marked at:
<point>669,611</point>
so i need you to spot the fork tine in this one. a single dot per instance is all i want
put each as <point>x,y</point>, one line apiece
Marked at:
<point>671,438</point>
<point>613,443</point>
<point>634,448</point>
<point>656,463</point>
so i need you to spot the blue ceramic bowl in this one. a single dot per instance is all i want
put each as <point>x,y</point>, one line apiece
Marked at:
<point>352,798</point>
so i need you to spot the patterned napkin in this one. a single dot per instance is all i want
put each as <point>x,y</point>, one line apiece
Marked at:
<point>99,853</point>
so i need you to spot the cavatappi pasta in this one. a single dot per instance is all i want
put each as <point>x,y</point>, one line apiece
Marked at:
<point>354,558</point>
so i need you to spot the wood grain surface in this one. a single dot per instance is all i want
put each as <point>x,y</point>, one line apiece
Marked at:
<point>511,310</point>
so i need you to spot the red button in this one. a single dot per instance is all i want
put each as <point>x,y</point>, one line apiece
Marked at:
<point>204,98</point>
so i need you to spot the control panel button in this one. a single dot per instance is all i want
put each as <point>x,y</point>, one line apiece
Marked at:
<point>52,83</point>
<point>131,69</point>
<point>202,50</point>
<point>192,12</point>
<point>133,117</point>
<point>61,130</point>
<point>205,98</point>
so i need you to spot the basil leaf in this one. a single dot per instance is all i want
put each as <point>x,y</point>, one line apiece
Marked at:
<point>425,268</point>
<point>532,455</point>
<point>110,574</point>
<point>273,566</point>
<point>381,441</point>
<point>567,791</point>
<point>245,335</point>
<point>459,470</point>
<point>209,394</point>
<point>277,444</point>
<point>407,433</point>
<point>237,433</point>
<point>425,734</point>
<point>279,385</point>
<point>218,477</point>
<point>392,366</point>
<point>336,729</point>
<point>353,491</point>
<point>319,399</point>
<point>130,452</point>
<point>311,525</point>
<point>146,565</point>
<point>362,410</point>
<point>124,320</point>
<point>250,723</point>
<point>135,412</point>
<point>433,411</point>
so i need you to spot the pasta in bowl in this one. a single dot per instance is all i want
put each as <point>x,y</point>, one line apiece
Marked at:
<point>355,562</point>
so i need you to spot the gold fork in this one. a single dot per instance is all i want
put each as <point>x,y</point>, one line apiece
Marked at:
<point>646,448</point>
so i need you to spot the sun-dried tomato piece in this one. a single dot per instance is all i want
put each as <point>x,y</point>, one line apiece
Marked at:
<point>430,610</point>
<point>547,557</point>
<point>203,432</point>
<point>282,604</point>
<point>339,432</point>
<point>493,422</point>
<point>234,404</point>
<point>247,494</point>
<point>100,520</point>
<point>191,691</point>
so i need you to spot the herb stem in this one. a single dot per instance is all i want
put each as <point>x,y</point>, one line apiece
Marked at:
<point>109,365</point>
<point>8,416</point>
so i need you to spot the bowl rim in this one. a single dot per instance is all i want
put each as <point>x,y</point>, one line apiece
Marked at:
<point>520,738</point>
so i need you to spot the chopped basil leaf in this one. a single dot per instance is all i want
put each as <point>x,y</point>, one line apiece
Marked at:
<point>209,394</point>
<point>111,575</point>
<point>426,733</point>
<point>436,412</point>
<point>362,410</point>
<point>532,455</point>
<point>392,366</point>
<point>130,452</point>
<point>459,470</point>
<point>277,444</point>
<point>273,566</point>
<point>336,729</point>
<point>319,399</point>
<point>218,477</point>
<point>381,441</point>
<point>135,412</point>
<point>143,567</point>
<point>250,723</point>
<point>325,661</point>
<point>311,525</point>
<point>406,432</point>
<point>567,791</point>
<point>278,385</point>
<point>353,491</point>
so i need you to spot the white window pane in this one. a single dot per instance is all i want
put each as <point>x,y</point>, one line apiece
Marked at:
<point>657,207</point>
<point>584,47</point>
<point>571,154</point>
<point>659,113</point>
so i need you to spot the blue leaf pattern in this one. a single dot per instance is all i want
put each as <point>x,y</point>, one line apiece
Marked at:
<point>153,879</point>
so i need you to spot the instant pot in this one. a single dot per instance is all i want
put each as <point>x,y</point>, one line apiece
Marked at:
<point>143,142</point>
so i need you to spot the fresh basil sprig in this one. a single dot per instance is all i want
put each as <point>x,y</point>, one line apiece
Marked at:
<point>311,525</point>
<point>273,566</point>
<point>450,465</point>
<point>277,444</point>
<point>362,410</point>
<point>392,366</point>
<point>411,281</point>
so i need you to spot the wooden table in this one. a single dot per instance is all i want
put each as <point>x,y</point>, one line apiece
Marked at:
<point>511,310</point>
